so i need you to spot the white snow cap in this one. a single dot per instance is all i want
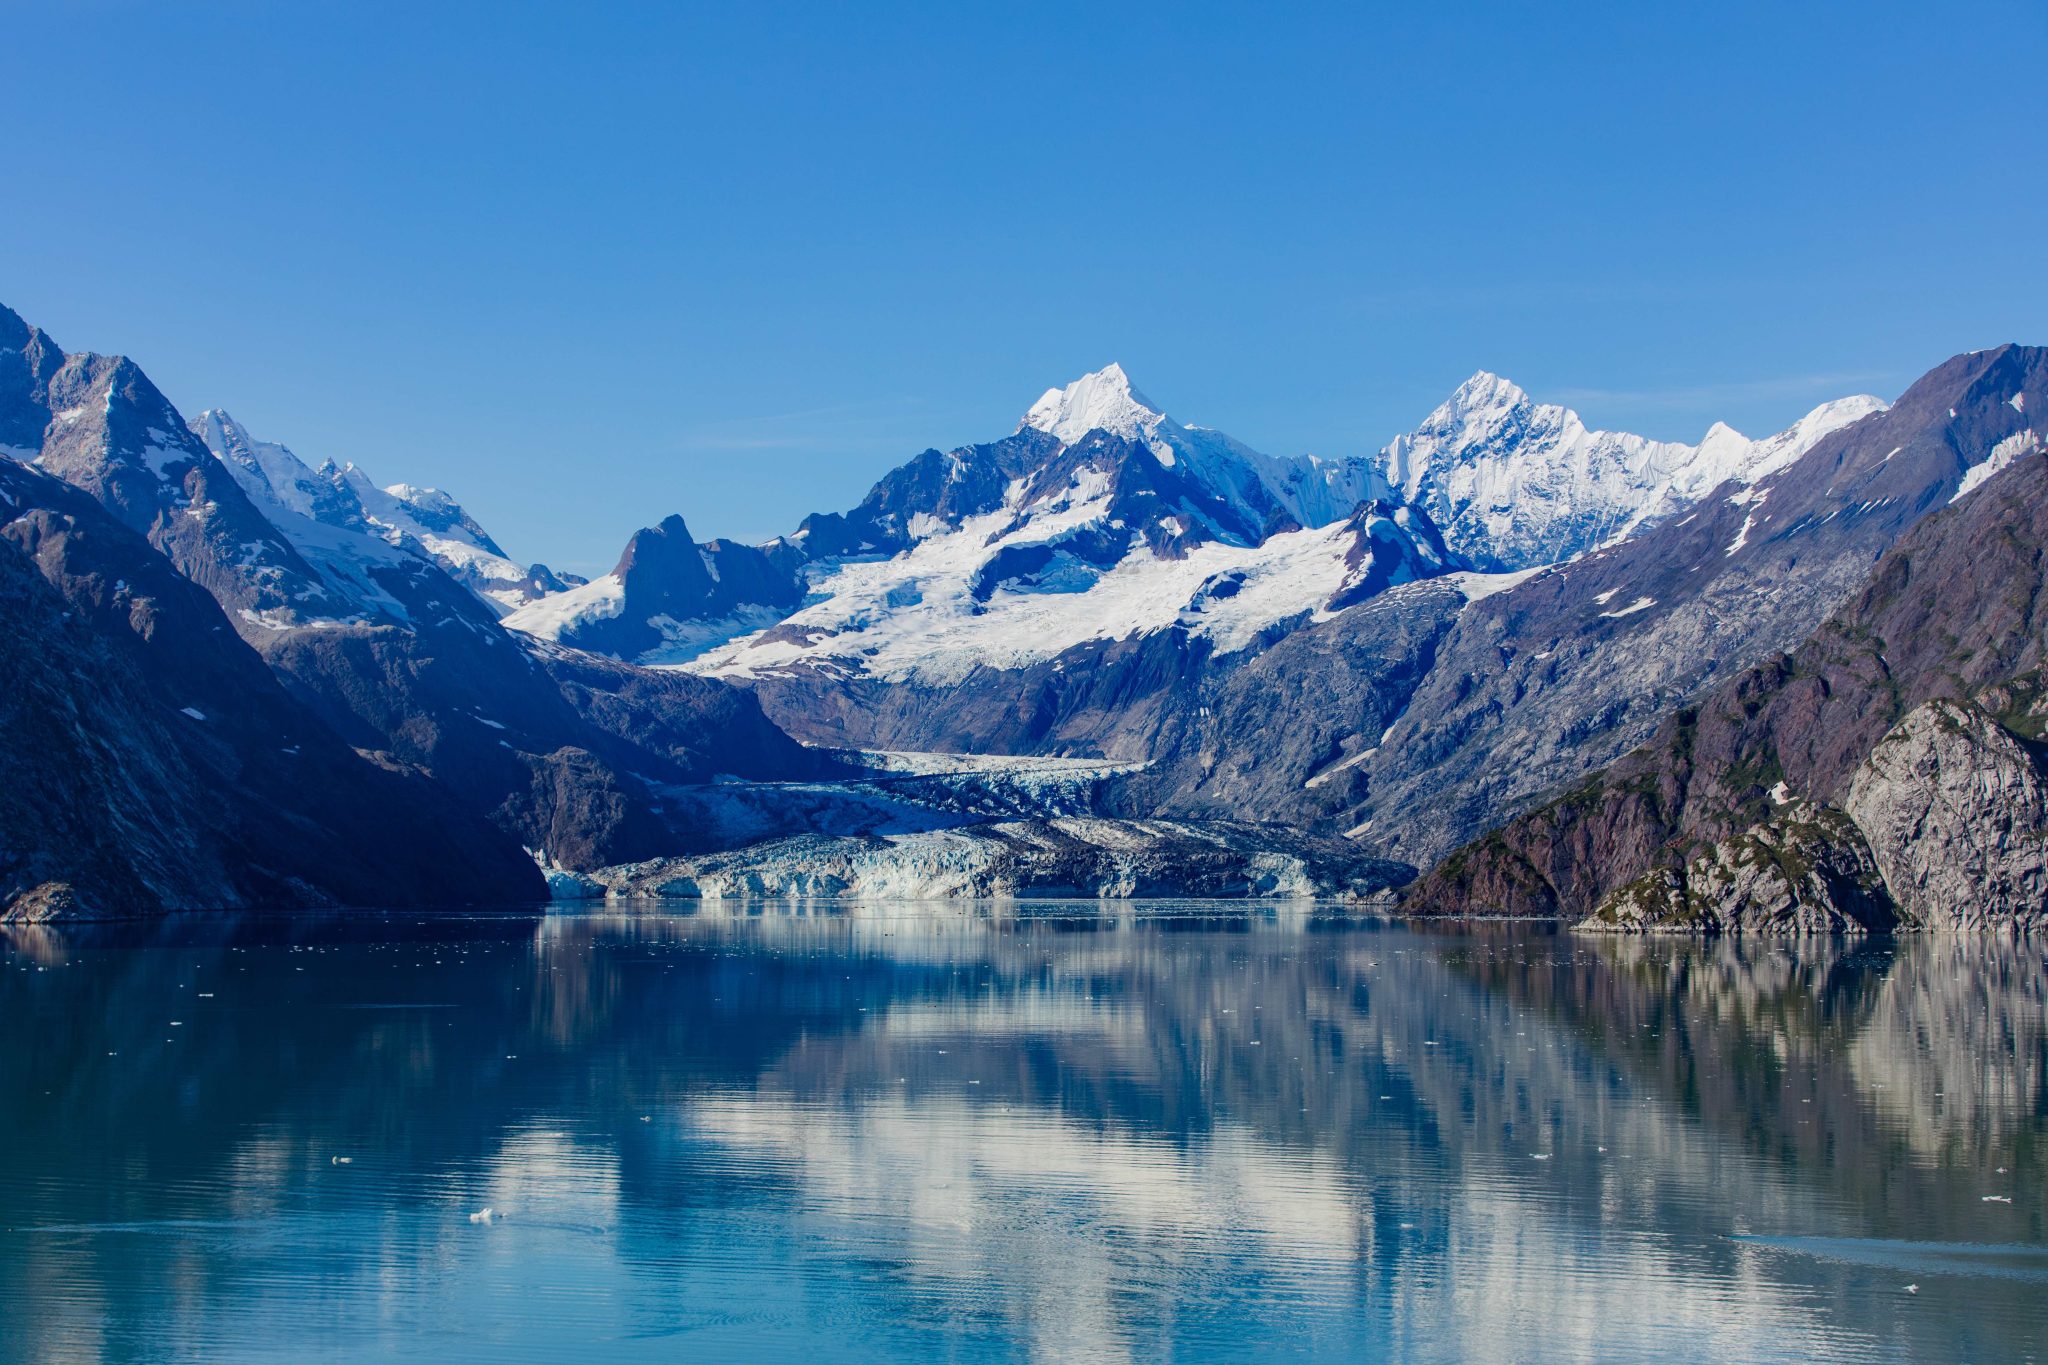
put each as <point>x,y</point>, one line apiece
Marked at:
<point>1515,483</point>
<point>1102,401</point>
<point>1486,391</point>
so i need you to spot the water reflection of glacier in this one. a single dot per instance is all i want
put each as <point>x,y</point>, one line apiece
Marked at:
<point>1062,1134</point>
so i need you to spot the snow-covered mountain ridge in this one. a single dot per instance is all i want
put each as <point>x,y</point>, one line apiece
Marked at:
<point>1511,483</point>
<point>1311,491</point>
<point>1514,483</point>
<point>377,524</point>
<point>1146,620</point>
<point>1102,517</point>
<point>1098,518</point>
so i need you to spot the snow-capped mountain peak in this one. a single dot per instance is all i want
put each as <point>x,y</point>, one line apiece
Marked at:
<point>271,473</point>
<point>1514,483</point>
<point>1262,491</point>
<point>1102,516</point>
<point>1124,521</point>
<point>1789,444</point>
<point>1103,401</point>
<point>1487,392</point>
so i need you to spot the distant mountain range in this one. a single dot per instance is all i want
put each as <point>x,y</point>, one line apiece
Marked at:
<point>1101,518</point>
<point>1109,653</point>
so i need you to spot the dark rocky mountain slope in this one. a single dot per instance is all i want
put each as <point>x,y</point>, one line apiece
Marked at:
<point>1886,769</point>
<point>153,763</point>
<point>375,636</point>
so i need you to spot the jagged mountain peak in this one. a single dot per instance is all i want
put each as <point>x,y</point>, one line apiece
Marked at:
<point>14,329</point>
<point>272,474</point>
<point>1485,391</point>
<point>659,544</point>
<point>1514,483</point>
<point>1105,400</point>
<point>374,521</point>
<point>220,421</point>
<point>425,496</point>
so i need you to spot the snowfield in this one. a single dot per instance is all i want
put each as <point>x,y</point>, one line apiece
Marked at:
<point>917,615</point>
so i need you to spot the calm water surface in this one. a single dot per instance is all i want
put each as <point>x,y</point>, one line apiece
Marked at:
<point>1140,1133</point>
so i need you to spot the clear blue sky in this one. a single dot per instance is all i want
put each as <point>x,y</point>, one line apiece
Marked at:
<point>584,266</point>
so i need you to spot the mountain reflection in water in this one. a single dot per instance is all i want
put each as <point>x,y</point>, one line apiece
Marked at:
<point>1060,1133</point>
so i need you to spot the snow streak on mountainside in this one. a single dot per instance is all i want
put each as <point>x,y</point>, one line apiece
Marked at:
<point>1514,484</point>
<point>312,506</point>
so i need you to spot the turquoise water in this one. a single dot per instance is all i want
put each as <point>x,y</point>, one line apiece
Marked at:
<point>1138,1133</point>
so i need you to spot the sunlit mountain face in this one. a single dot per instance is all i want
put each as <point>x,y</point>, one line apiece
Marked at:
<point>1071,1132</point>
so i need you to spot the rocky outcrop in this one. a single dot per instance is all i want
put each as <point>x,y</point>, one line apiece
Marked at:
<point>1804,871</point>
<point>1955,808</point>
<point>1067,857</point>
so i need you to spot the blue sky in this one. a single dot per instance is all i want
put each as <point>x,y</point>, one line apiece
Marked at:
<point>587,266</point>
